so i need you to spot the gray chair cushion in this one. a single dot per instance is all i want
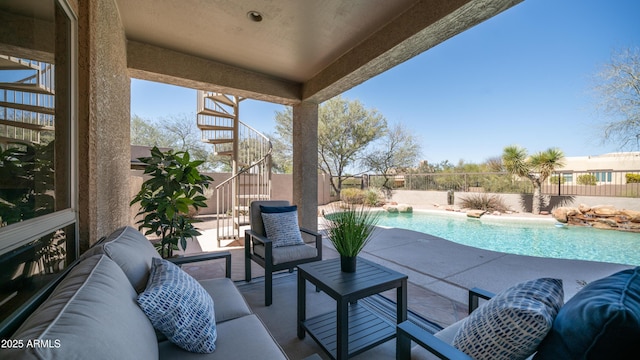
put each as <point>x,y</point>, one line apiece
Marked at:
<point>286,254</point>
<point>92,314</point>
<point>255,215</point>
<point>132,251</point>
<point>229,303</point>
<point>242,338</point>
<point>447,334</point>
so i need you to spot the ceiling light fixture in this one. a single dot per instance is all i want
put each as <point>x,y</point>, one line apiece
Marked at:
<point>254,16</point>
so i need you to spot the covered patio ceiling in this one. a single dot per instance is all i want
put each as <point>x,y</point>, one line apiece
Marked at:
<point>297,51</point>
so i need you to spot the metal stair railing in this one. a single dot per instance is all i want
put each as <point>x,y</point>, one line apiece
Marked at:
<point>251,182</point>
<point>250,152</point>
<point>27,106</point>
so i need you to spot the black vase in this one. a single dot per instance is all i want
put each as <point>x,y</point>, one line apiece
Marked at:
<point>348,263</point>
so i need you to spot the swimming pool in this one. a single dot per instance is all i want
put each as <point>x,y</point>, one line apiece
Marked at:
<point>524,237</point>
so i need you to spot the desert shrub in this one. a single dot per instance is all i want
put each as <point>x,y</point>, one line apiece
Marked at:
<point>587,179</point>
<point>352,196</point>
<point>372,197</point>
<point>632,178</point>
<point>554,179</point>
<point>483,201</point>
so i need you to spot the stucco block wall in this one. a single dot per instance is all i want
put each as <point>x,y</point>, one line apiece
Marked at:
<point>517,202</point>
<point>103,121</point>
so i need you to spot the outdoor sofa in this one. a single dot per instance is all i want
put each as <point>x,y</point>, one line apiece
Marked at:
<point>93,313</point>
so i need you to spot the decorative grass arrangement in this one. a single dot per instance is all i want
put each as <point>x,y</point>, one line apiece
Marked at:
<point>350,230</point>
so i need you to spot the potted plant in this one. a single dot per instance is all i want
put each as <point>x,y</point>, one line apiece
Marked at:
<point>175,185</point>
<point>349,230</point>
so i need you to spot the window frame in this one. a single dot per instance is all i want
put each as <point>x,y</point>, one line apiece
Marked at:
<point>19,234</point>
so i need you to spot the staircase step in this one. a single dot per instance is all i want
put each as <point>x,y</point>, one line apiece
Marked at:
<point>25,125</point>
<point>220,98</point>
<point>224,153</point>
<point>26,107</point>
<point>212,112</point>
<point>7,63</point>
<point>219,141</point>
<point>34,88</point>
<point>205,127</point>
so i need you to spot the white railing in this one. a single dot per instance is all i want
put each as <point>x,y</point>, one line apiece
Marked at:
<point>27,106</point>
<point>251,182</point>
<point>250,152</point>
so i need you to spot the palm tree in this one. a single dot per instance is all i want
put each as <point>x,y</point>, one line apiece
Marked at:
<point>537,168</point>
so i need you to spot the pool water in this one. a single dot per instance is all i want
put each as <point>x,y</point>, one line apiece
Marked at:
<point>524,237</point>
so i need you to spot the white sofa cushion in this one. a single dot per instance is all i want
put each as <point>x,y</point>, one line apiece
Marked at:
<point>242,338</point>
<point>229,303</point>
<point>132,251</point>
<point>92,314</point>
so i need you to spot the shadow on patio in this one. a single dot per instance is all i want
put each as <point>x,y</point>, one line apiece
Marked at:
<point>440,272</point>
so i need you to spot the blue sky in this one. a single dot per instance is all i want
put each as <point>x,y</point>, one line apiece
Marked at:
<point>523,77</point>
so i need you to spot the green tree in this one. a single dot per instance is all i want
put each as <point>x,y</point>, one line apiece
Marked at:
<point>536,168</point>
<point>396,152</point>
<point>618,90</point>
<point>345,129</point>
<point>179,132</point>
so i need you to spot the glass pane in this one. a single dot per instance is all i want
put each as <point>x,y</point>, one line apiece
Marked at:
<point>29,185</point>
<point>25,270</point>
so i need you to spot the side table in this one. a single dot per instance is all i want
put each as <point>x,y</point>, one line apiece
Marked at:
<point>366,328</point>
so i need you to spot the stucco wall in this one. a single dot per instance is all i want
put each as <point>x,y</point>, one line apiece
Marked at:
<point>104,117</point>
<point>520,203</point>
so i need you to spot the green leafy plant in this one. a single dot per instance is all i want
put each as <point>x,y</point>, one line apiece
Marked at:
<point>632,178</point>
<point>587,179</point>
<point>351,229</point>
<point>175,185</point>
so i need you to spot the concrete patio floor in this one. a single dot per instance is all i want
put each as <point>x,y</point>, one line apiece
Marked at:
<point>440,271</point>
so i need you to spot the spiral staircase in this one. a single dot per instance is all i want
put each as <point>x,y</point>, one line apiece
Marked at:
<point>249,153</point>
<point>27,100</point>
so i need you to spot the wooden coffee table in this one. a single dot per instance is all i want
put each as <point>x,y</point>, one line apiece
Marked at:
<point>366,328</point>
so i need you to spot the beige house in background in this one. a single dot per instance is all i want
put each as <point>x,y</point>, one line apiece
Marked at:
<point>607,168</point>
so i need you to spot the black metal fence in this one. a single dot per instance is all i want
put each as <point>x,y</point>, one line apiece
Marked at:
<point>584,183</point>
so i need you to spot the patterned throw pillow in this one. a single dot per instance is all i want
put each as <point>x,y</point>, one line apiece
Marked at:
<point>281,225</point>
<point>513,323</point>
<point>179,307</point>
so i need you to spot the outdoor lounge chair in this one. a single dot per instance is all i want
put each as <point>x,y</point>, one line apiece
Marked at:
<point>281,245</point>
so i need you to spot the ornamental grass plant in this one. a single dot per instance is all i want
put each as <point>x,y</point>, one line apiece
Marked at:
<point>350,229</point>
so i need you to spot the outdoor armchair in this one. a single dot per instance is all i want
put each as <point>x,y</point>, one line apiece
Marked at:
<point>281,244</point>
<point>438,344</point>
<point>531,320</point>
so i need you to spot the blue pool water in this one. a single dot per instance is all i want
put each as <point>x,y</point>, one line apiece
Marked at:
<point>526,237</point>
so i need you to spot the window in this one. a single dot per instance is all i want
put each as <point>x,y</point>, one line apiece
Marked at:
<point>568,177</point>
<point>602,176</point>
<point>37,147</point>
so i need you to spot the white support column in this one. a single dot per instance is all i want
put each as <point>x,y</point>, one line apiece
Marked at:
<point>305,163</point>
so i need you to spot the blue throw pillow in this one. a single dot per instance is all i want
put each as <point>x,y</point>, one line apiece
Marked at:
<point>277,209</point>
<point>513,323</point>
<point>601,321</point>
<point>179,307</point>
<point>281,225</point>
